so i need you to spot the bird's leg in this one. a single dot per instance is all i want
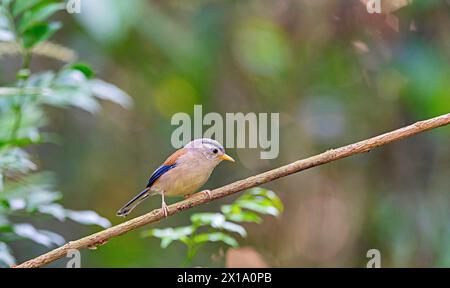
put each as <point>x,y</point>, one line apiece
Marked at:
<point>164,207</point>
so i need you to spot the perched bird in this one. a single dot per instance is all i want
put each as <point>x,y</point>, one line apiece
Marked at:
<point>182,173</point>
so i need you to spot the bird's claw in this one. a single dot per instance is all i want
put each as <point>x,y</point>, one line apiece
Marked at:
<point>165,210</point>
<point>208,193</point>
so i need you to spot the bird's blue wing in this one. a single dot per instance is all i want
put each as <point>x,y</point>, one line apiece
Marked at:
<point>158,173</point>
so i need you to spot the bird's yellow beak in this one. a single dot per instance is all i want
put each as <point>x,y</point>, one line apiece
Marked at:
<point>226,158</point>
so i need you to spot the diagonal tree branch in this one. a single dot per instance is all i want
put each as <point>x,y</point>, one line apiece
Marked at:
<point>300,165</point>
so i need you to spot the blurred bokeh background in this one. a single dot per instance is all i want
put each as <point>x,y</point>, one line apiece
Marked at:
<point>334,72</point>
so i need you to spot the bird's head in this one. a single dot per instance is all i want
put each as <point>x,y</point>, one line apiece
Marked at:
<point>210,149</point>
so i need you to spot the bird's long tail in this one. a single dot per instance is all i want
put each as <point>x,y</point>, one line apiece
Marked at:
<point>125,210</point>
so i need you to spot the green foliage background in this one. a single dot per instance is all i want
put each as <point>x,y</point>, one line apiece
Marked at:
<point>335,73</point>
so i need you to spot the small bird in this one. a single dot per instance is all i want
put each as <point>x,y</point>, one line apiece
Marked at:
<point>182,173</point>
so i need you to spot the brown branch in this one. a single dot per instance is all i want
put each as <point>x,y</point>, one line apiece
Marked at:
<point>300,165</point>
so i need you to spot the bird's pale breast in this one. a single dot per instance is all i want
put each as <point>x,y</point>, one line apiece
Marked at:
<point>186,178</point>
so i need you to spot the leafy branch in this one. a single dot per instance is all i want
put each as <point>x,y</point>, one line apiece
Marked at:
<point>23,194</point>
<point>245,209</point>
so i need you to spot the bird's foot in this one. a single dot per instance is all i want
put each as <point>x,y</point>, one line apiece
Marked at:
<point>208,193</point>
<point>165,210</point>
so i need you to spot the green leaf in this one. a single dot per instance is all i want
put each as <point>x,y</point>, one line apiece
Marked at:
<point>31,195</point>
<point>39,196</point>
<point>260,200</point>
<point>6,228</point>
<point>9,91</point>
<point>83,68</point>
<point>20,142</point>
<point>54,237</point>
<point>40,81</point>
<point>38,14</point>
<point>4,206</point>
<point>88,218</point>
<point>72,78</point>
<point>245,209</point>
<point>39,32</point>
<point>84,217</point>
<point>13,91</point>
<point>257,193</point>
<point>55,210</point>
<point>215,237</point>
<point>236,214</point>
<point>15,160</point>
<point>174,233</point>
<point>107,91</point>
<point>6,258</point>
<point>16,204</point>
<point>212,219</point>
<point>258,207</point>
<point>233,227</point>
<point>217,221</point>
<point>72,96</point>
<point>71,87</point>
<point>165,242</point>
<point>5,225</point>
<point>168,235</point>
<point>42,237</point>
<point>22,5</point>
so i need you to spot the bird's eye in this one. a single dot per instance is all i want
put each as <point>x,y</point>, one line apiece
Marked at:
<point>215,151</point>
